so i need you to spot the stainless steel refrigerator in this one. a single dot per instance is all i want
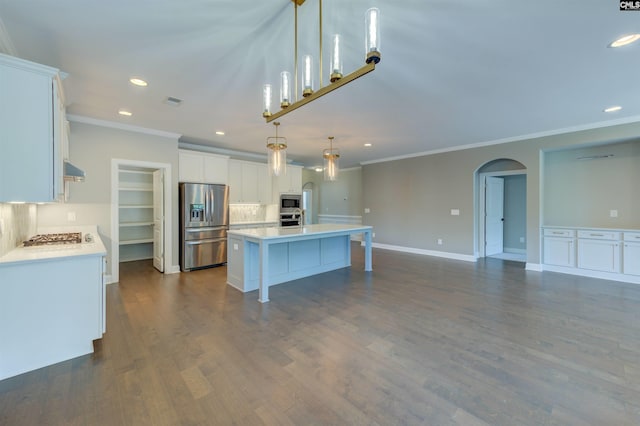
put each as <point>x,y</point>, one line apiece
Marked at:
<point>204,221</point>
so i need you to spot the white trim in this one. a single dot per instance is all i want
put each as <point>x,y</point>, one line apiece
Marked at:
<point>579,128</point>
<point>514,250</point>
<point>121,126</point>
<point>173,269</point>
<point>108,279</point>
<point>533,267</point>
<point>633,279</point>
<point>447,255</point>
<point>115,211</point>
<point>6,44</point>
<point>236,155</point>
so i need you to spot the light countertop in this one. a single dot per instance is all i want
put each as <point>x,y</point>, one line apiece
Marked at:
<point>50,252</point>
<point>590,228</point>
<point>293,231</point>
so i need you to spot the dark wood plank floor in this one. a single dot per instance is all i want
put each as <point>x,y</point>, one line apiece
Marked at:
<point>419,341</point>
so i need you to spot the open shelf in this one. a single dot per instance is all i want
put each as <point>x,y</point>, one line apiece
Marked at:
<point>134,206</point>
<point>136,188</point>
<point>141,241</point>
<point>131,224</point>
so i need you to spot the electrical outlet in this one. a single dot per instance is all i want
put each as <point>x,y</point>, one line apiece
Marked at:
<point>455,212</point>
<point>373,235</point>
<point>613,213</point>
<point>367,210</point>
<point>71,216</point>
<point>439,241</point>
<point>522,239</point>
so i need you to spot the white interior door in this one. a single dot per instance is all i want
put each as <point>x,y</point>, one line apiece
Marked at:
<point>494,215</point>
<point>158,220</point>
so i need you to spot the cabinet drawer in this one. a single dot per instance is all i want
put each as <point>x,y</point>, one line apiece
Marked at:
<point>632,236</point>
<point>599,235</point>
<point>559,233</point>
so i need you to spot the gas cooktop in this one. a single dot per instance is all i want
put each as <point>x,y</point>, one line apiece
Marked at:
<point>51,239</point>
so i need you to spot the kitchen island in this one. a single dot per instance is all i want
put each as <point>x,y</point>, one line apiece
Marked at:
<point>261,257</point>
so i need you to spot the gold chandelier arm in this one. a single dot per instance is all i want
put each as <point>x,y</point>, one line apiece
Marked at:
<point>320,14</point>
<point>295,55</point>
<point>367,68</point>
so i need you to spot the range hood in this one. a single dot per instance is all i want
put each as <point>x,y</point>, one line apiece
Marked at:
<point>72,173</point>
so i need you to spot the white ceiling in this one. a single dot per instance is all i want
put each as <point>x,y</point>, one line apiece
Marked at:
<point>453,72</point>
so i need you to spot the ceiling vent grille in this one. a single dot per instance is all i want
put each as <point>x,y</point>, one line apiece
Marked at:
<point>170,100</point>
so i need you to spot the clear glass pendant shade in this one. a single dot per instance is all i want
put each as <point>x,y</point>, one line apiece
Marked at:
<point>285,89</point>
<point>307,75</point>
<point>372,35</point>
<point>277,154</point>
<point>336,62</point>
<point>266,100</point>
<point>331,160</point>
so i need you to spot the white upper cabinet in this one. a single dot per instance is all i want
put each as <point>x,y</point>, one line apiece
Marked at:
<point>249,182</point>
<point>291,182</point>
<point>200,167</point>
<point>32,132</point>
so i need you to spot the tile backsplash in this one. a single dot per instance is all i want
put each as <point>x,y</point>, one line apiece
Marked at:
<point>17,223</point>
<point>243,213</point>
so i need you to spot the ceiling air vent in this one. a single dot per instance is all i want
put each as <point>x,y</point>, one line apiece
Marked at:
<point>170,100</point>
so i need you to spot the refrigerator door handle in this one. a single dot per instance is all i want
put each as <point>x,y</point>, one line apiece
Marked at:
<point>198,242</point>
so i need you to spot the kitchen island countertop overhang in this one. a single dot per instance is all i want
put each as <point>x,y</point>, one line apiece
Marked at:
<point>260,257</point>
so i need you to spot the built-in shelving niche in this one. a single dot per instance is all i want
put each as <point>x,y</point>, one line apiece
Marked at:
<point>135,187</point>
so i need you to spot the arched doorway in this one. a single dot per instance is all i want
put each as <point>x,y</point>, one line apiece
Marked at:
<point>501,210</point>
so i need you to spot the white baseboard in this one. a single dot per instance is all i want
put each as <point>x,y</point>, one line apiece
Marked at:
<point>633,279</point>
<point>174,269</point>
<point>444,254</point>
<point>514,250</point>
<point>108,279</point>
<point>533,267</point>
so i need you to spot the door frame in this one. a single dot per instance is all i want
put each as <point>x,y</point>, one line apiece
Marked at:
<point>116,163</point>
<point>481,204</point>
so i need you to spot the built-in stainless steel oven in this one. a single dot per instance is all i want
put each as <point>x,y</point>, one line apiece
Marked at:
<point>290,209</point>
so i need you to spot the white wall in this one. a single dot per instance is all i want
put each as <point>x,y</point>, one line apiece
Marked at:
<point>92,147</point>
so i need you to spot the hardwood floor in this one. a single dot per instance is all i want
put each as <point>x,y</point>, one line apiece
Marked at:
<point>420,340</point>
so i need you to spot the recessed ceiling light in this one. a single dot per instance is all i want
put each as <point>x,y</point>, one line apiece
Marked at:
<point>125,113</point>
<point>220,133</point>
<point>319,169</point>
<point>367,144</point>
<point>613,108</point>
<point>138,82</point>
<point>623,41</point>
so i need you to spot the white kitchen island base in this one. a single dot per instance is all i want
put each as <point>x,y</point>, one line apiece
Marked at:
<point>259,258</point>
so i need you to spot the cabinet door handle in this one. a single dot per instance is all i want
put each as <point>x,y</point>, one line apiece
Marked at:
<point>558,233</point>
<point>597,235</point>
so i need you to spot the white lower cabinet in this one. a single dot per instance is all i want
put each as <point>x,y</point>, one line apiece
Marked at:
<point>603,253</point>
<point>631,253</point>
<point>559,247</point>
<point>599,255</point>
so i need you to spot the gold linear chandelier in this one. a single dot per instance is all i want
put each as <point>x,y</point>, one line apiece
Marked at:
<point>372,57</point>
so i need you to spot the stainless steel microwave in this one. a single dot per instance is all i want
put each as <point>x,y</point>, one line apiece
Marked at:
<point>290,202</point>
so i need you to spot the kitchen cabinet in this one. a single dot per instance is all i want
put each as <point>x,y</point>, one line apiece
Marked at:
<point>599,250</point>
<point>249,182</point>
<point>32,132</point>
<point>631,253</point>
<point>559,247</point>
<point>200,167</point>
<point>290,183</point>
<point>135,196</point>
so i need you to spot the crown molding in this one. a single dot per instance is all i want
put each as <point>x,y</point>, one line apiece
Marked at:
<point>121,126</point>
<point>566,130</point>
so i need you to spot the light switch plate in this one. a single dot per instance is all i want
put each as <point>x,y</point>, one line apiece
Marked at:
<point>455,212</point>
<point>367,210</point>
<point>71,216</point>
<point>613,213</point>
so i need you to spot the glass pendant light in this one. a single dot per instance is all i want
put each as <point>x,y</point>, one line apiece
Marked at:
<point>331,159</point>
<point>266,100</point>
<point>336,63</point>
<point>285,89</point>
<point>307,76</point>
<point>372,35</point>
<point>277,153</point>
